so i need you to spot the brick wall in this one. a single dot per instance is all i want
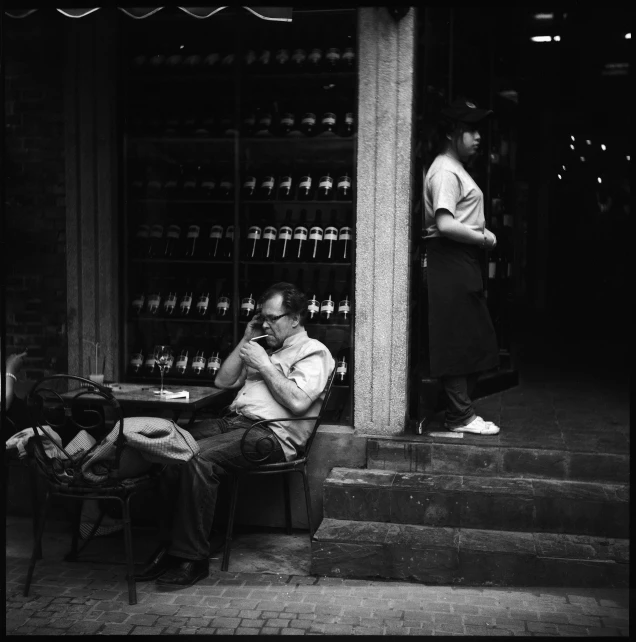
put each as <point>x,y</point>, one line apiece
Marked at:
<point>35,192</point>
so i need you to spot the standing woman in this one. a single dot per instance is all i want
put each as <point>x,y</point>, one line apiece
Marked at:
<point>461,334</point>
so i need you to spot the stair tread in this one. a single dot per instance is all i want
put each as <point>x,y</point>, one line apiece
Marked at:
<point>444,483</point>
<point>416,537</point>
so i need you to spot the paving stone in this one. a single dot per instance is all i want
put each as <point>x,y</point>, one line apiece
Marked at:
<point>113,616</point>
<point>116,629</point>
<point>484,630</point>
<point>542,627</point>
<point>292,632</point>
<point>300,624</point>
<point>147,630</point>
<point>268,631</point>
<point>449,627</point>
<point>619,623</point>
<point>363,630</point>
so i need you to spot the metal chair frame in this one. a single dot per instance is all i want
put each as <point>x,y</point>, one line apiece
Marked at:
<point>64,477</point>
<point>298,465</point>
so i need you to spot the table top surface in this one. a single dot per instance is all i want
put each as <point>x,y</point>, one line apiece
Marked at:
<point>142,394</point>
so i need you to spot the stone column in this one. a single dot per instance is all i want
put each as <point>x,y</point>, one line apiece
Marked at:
<point>384,158</point>
<point>91,188</point>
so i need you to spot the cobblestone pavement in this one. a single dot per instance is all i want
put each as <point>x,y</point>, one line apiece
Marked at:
<point>92,598</point>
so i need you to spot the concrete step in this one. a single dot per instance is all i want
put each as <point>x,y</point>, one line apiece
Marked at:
<point>535,455</point>
<point>463,501</point>
<point>463,556</point>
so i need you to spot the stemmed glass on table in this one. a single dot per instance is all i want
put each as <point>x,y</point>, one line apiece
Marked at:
<point>163,359</point>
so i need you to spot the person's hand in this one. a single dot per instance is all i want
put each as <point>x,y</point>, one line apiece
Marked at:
<point>254,328</point>
<point>14,363</point>
<point>254,355</point>
<point>491,239</point>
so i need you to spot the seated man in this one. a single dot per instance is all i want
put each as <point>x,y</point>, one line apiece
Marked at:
<point>286,380</point>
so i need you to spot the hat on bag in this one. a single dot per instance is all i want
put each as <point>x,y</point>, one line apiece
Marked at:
<point>465,111</point>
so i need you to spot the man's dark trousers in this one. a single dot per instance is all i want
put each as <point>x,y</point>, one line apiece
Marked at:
<point>190,490</point>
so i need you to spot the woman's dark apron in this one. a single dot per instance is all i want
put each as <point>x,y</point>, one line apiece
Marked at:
<point>462,338</point>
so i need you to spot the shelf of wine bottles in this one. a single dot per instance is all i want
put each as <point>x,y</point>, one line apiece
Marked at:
<point>239,172</point>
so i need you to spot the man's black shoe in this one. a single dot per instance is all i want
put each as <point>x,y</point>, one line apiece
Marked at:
<point>158,563</point>
<point>187,573</point>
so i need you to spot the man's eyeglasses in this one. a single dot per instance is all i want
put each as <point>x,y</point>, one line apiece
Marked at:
<point>271,319</point>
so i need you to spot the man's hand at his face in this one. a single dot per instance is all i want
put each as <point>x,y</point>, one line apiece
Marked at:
<point>254,328</point>
<point>254,355</point>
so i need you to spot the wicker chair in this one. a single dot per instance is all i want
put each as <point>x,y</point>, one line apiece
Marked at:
<point>63,472</point>
<point>298,465</point>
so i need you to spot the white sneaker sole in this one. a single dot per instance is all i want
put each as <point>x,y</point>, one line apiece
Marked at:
<point>478,427</point>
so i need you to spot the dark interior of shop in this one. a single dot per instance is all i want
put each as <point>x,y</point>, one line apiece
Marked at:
<point>562,99</point>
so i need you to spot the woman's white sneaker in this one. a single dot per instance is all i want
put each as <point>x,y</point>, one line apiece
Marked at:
<point>478,427</point>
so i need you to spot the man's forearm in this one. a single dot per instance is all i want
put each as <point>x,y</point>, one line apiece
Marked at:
<point>285,390</point>
<point>457,231</point>
<point>230,369</point>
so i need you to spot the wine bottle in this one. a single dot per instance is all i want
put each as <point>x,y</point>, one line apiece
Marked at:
<point>308,123</point>
<point>191,178</point>
<point>226,188</point>
<point>330,239</point>
<point>215,242</point>
<point>284,239</point>
<point>248,306</point>
<point>344,189</point>
<point>313,302</point>
<point>343,313</point>
<point>347,125</point>
<point>208,188</point>
<point>213,365</point>
<point>263,123</point>
<point>343,360</point>
<point>198,363</point>
<point>314,59</point>
<point>223,305</point>
<point>287,123</point>
<point>173,235</point>
<point>155,182</point>
<point>135,363</point>
<point>254,242</point>
<point>328,304</point>
<point>203,303</point>
<point>191,241</point>
<point>249,123</point>
<point>142,241</point>
<point>265,61</point>
<point>173,181</point>
<point>228,243</point>
<point>156,241</point>
<point>137,303</point>
<point>325,187</point>
<point>348,58</point>
<point>305,190</point>
<point>344,244</point>
<point>268,243</point>
<point>298,59</point>
<point>299,240</point>
<point>316,234</point>
<point>149,364</point>
<point>169,304</point>
<point>328,124</point>
<point>282,60</point>
<point>182,362</point>
<point>249,186</point>
<point>250,60</point>
<point>212,60</point>
<point>154,302</point>
<point>185,304</point>
<point>285,187</point>
<point>266,187</point>
<point>332,59</point>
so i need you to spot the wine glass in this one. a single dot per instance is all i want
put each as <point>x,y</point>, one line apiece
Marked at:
<point>163,359</point>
